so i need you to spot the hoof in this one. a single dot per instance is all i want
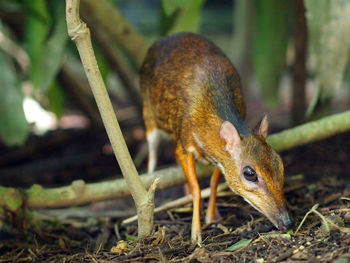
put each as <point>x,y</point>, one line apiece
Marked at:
<point>209,218</point>
<point>196,237</point>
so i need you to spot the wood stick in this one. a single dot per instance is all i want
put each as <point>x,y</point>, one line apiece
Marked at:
<point>144,200</point>
<point>205,193</point>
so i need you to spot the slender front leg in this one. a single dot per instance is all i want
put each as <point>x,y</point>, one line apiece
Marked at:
<point>187,162</point>
<point>211,212</point>
<point>153,139</point>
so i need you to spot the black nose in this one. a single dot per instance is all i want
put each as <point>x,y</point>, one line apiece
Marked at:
<point>286,221</point>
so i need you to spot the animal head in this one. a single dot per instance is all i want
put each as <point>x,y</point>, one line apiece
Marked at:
<point>255,171</point>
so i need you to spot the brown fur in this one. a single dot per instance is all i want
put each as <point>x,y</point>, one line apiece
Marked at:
<point>190,88</point>
<point>172,80</point>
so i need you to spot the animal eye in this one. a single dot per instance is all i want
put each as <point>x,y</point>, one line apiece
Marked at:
<point>250,174</point>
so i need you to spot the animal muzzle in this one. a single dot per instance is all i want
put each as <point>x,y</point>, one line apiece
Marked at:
<point>285,221</point>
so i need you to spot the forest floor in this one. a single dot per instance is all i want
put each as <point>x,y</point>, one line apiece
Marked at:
<point>317,173</point>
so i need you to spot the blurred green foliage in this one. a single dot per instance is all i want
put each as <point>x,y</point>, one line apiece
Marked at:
<point>37,22</point>
<point>180,16</point>
<point>270,46</point>
<point>13,125</point>
<point>39,28</point>
<point>44,40</point>
<point>53,48</point>
<point>329,37</point>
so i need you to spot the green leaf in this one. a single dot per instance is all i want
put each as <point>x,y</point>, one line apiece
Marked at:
<point>170,6</point>
<point>103,66</point>
<point>181,17</point>
<point>13,124</point>
<point>56,99</point>
<point>238,245</point>
<point>11,198</point>
<point>10,6</point>
<point>54,48</point>
<point>130,237</point>
<point>270,45</point>
<point>37,27</point>
<point>328,27</point>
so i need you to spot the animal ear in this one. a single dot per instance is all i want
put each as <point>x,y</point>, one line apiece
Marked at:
<point>262,128</point>
<point>230,135</point>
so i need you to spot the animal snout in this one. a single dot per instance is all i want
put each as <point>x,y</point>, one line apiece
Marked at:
<point>286,221</point>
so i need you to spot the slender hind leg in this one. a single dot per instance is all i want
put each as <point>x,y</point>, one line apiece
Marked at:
<point>187,162</point>
<point>153,139</point>
<point>211,212</point>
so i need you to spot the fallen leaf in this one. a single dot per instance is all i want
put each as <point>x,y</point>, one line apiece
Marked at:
<point>120,247</point>
<point>130,237</point>
<point>238,245</point>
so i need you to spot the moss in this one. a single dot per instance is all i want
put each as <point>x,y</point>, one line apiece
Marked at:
<point>42,197</point>
<point>11,198</point>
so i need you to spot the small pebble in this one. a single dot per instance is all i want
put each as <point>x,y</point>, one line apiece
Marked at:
<point>301,247</point>
<point>295,251</point>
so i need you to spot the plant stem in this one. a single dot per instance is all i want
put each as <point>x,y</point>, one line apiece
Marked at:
<point>311,131</point>
<point>80,34</point>
<point>118,27</point>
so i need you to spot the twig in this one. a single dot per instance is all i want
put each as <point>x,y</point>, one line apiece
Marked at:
<point>119,65</point>
<point>119,28</point>
<point>15,51</point>
<point>141,155</point>
<point>205,193</point>
<point>342,229</point>
<point>311,131</point>
<point>79,193</point>
<point>339,210</point>
<point>78,89</point>
<point>80,34</point>
<point>313,210</point>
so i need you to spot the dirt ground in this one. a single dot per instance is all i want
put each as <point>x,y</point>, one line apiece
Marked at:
<point>318,173</point>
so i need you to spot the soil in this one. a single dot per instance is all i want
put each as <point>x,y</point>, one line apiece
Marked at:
<point>315,174</point>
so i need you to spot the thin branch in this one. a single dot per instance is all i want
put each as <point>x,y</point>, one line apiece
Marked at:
<point>119,28</point>
<point>79,193</point>
<point>38,197</point>
<point>205,193</point>
<point>127,75</point>
<point>15,51</point>
<point>305,216</point>
<point>327,223</point>
<point>310,132</point>
<point>77,89</point>
<point>80,34</point>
